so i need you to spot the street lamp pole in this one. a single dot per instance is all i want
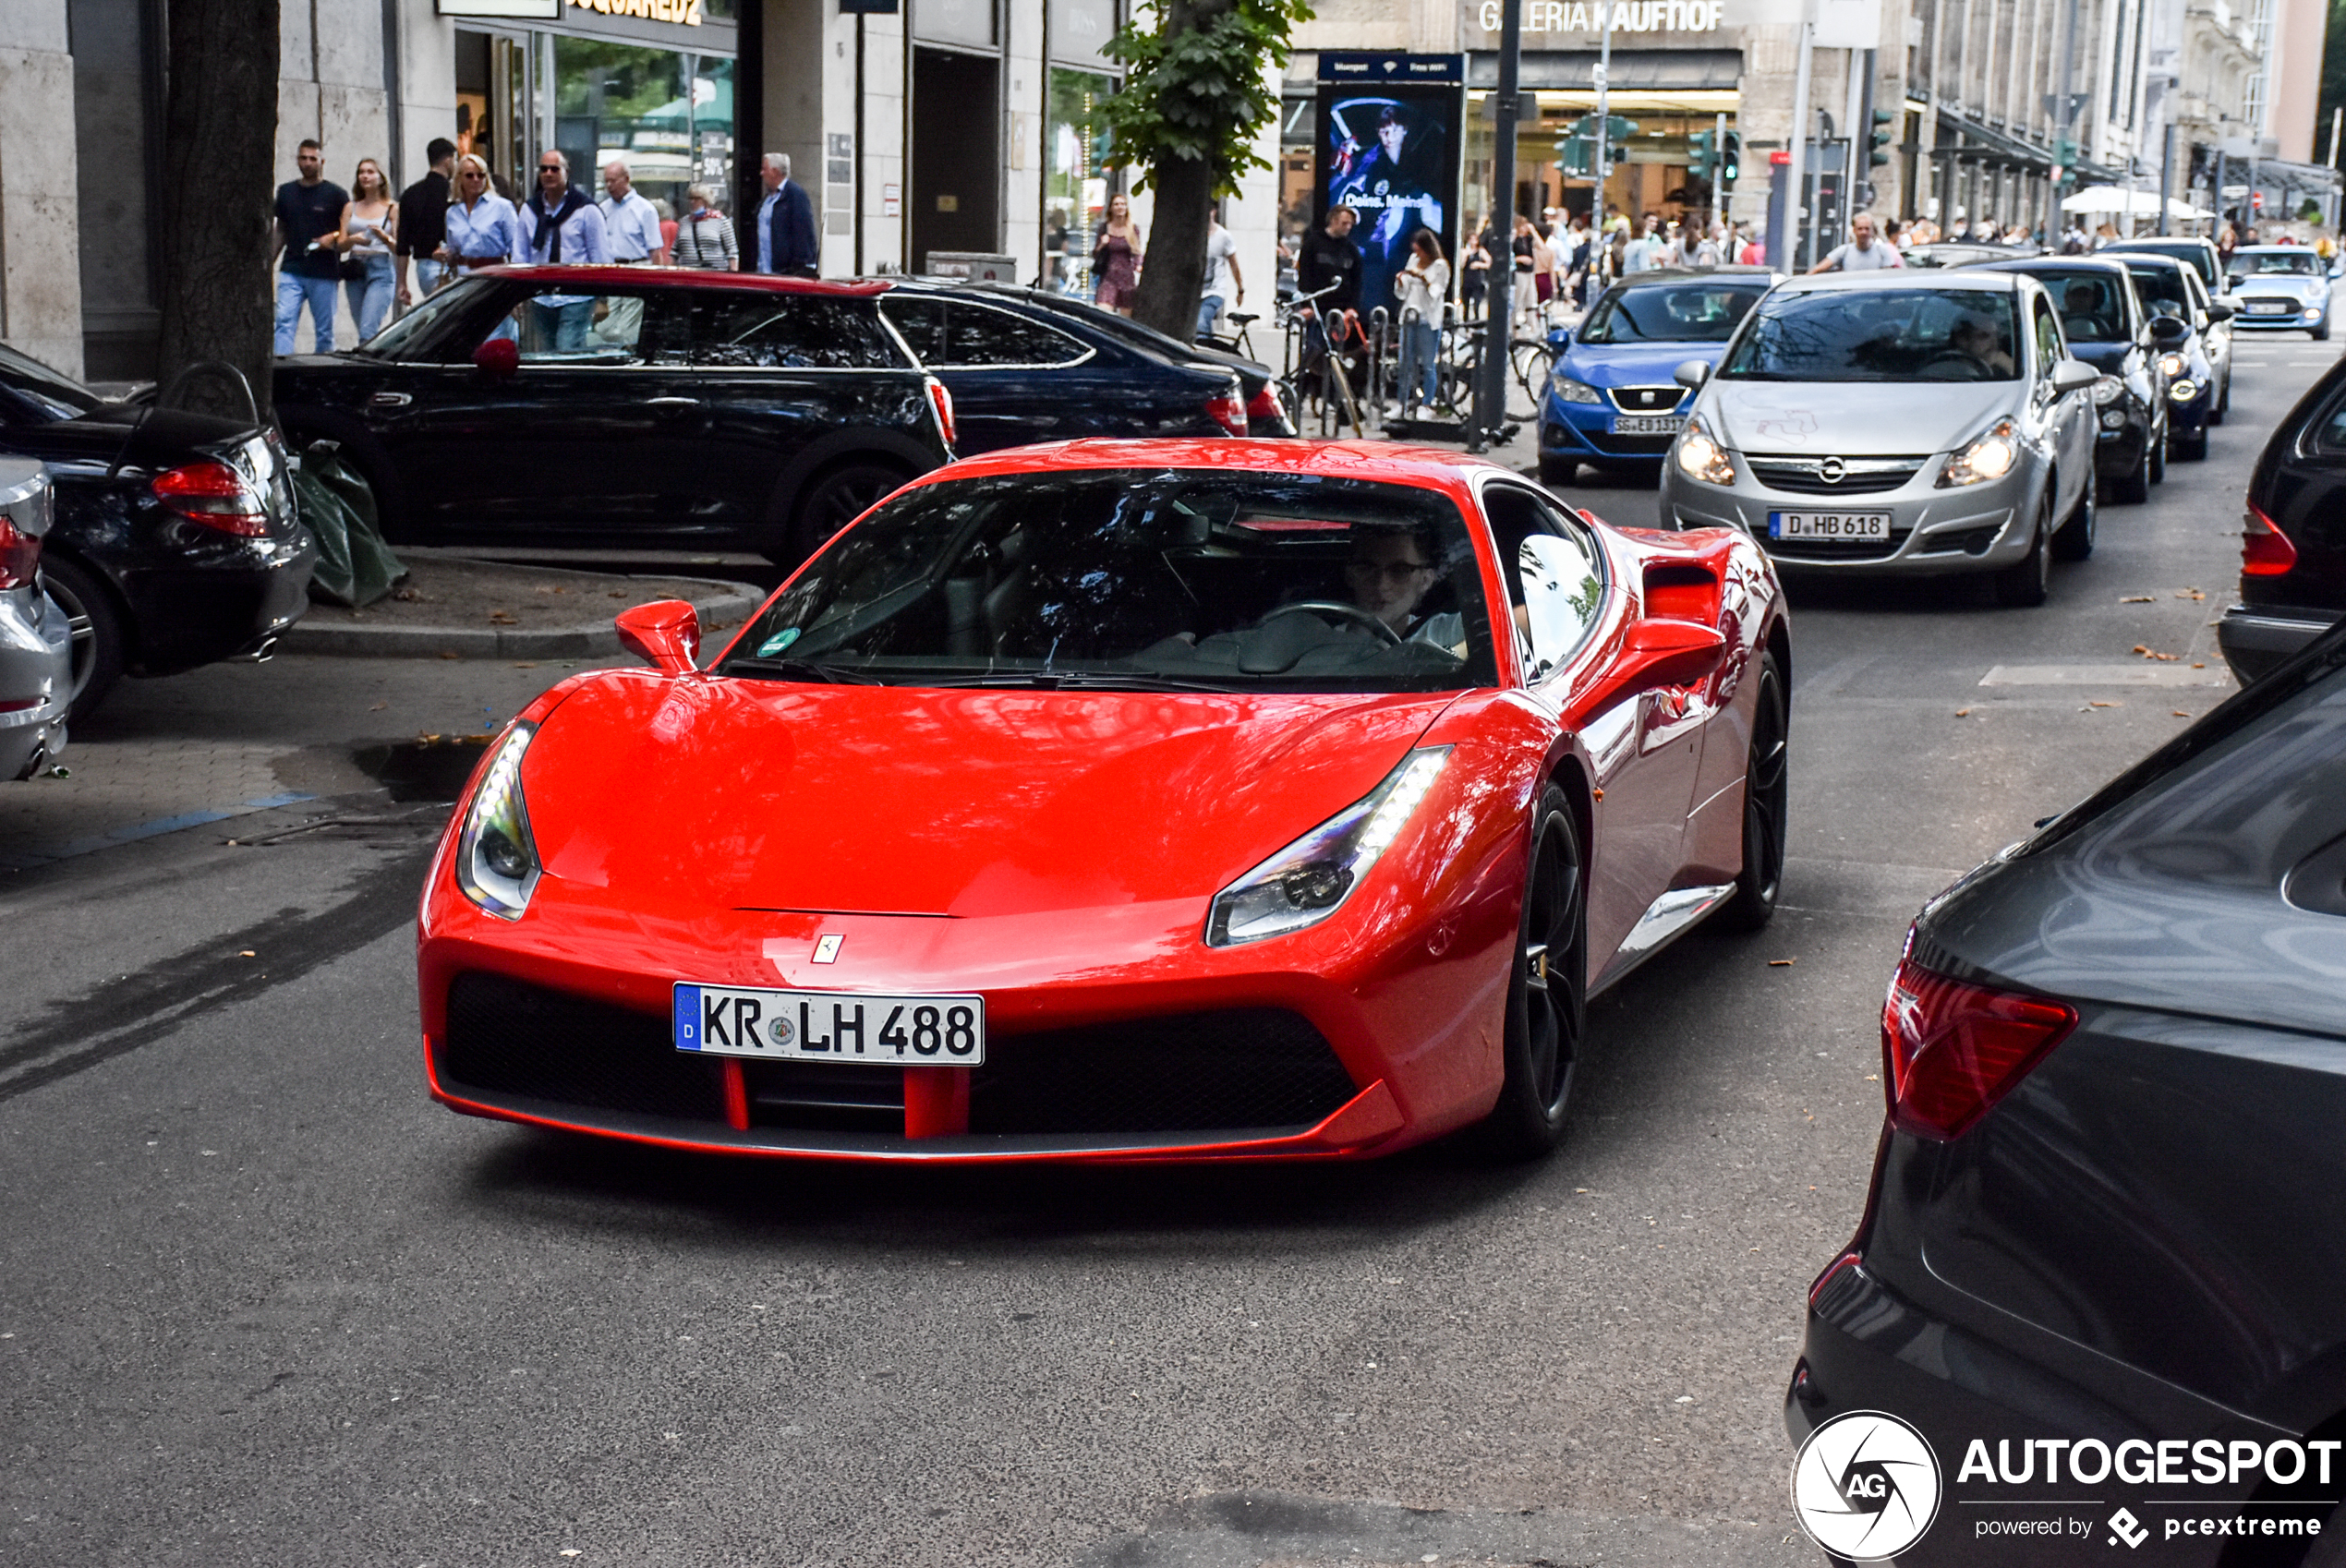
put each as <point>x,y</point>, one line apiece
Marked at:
<point>1491,389</point>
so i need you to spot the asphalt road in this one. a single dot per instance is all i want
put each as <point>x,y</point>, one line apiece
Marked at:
<point>264,1304</point>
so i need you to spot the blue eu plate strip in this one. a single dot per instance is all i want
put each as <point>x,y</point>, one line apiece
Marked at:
<point>688,1017</point>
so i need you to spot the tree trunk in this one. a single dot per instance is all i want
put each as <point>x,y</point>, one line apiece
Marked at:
<point>220,136</point>
<point>1175,274</point>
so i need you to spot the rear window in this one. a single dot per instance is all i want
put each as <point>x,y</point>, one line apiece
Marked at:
<point>743,329</point>
<point>952,334</point>
<point>2163,291</point>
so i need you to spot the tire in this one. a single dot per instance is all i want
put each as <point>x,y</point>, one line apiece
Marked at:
<point>2192,449</point>
<point>100,643</point>
<point>1547,1011</point>
<point>836,498</point>
<point>2075,539</point>
<point>2321,334</point>
<point>1559,470</point>
<point>2134,488</point>
<point>2025,583</point>
<point>2224,401</point>
<point>1766,794</point>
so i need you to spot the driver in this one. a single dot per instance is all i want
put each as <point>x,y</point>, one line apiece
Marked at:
<point>1975,339</point>
<point>2081,314</point>
<point>1391,572</point>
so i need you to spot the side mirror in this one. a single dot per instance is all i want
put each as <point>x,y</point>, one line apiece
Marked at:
<point>667,632</point>
<point>2219,311</point>
<point>2168,332</point>
<point>1661,651</point>
<point>1691,374</point>
<point>2073,375</point>
<point>498,359</point>
<point>1560,337</point>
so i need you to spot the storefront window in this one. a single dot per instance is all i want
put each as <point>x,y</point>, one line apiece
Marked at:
<point>1075,187</point>
<point>671,114</point>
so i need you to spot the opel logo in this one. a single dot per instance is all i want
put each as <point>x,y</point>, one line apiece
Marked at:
<point>1831,470</point>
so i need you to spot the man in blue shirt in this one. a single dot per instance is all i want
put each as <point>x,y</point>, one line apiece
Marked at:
<point>308,209</point>
<point>560,227</point>
<point>785,221</point>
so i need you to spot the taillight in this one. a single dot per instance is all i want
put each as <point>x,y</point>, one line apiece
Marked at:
<point>216,496</point>
<point>942,402</point>
<point>1951,1050</point>
<point>1224,409</point>
<point>1847,1261</point>
<point>1266,407</point>
<point>19,554</point>
<point>2265,550</point>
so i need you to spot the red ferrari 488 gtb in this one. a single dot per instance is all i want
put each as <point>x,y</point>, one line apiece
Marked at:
<point>1122,800</point>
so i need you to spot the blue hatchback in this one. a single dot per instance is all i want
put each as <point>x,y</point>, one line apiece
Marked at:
<point>1610,400</point>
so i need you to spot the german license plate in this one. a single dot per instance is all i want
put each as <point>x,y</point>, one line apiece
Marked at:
<point>1828,524</point>
<point>829,1026</point>
<point>1647,424</point>
<point>2268,308</point>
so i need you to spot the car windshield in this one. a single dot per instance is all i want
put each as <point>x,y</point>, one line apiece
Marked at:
<point>1695,312</point>
<point>1877,334</point>
<point>2092,306</point>
<point>2292,263</point>
<point>1140,579</point>
<point>49,394</point>
<point>2162,288</point>
<point>416,335</point>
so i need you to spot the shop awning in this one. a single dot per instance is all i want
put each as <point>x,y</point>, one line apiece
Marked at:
<point>1634,70</point>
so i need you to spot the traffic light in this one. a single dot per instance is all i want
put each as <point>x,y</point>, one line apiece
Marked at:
<point>1577,150</point>
<point>1878,138</point>
<point>1702,155</point>
<point>1730,157</point>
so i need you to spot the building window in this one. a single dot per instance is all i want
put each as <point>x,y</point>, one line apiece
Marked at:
<point>671,114</point>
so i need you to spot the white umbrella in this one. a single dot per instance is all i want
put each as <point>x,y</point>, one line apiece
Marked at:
<point>2110,199</point>
<point>2184,209</point>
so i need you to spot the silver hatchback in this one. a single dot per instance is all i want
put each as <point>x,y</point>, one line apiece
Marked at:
<point>1895,423</point>
<point>36,646</point>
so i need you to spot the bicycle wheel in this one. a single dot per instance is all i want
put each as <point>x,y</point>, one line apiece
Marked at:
<point>1528,377</point>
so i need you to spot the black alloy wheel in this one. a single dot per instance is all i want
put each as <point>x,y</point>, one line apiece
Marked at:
<point>98,642</point>
<point>835,500</point>
<point>1547,1010</point>
<point>2075,539</point>
<point>2192,449</point>
<point>1559,470</point>
<point>1767,801</point>
<point>2133,486</point>
<point>2027,581</point>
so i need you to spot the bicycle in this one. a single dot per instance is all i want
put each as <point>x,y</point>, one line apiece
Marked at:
<point>1530,361</point>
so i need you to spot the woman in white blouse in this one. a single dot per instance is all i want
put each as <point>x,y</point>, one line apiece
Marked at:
<point>1421,287</point>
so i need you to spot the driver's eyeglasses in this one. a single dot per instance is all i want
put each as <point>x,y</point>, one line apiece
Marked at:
<point>1391,571</point>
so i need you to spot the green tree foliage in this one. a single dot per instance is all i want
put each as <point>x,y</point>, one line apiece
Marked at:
<point>1195,97</point>
<point>2333,79</point>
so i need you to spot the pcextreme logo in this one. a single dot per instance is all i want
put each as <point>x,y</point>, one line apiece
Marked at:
<point>1865,1486</point>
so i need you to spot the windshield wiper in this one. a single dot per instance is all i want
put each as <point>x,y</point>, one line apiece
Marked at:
<point>1081,681</point>
<point>798,670</point>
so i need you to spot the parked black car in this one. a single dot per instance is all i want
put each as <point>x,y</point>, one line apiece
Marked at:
<point>176,542</point>
<point>2199,368</point>
<point>2199,252</point>
<point>2107,1227</point>
<point>2292,567</point>
<point>617,405</point>
<point>2109,329</point>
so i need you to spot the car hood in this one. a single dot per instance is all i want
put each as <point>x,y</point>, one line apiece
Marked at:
<point>2108,358</point>
<point>1855,419</point>
<point>699,793</point>
<point>1635,365</point>
<point>2294,288</point>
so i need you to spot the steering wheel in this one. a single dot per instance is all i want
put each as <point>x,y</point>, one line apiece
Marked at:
<point>1342,611</point>
<point>1973,368</point>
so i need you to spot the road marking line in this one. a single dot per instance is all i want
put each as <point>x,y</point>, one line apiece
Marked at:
<point>2104,675</point>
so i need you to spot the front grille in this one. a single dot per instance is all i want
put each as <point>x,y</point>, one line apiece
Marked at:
<point>1628,446</point>
<point>1837,550</point>
<point>509,1037</point>
<point>842,1095</point>
<point>1857,475</point>
<point>1646,400</point>
<point>1243,1068</point>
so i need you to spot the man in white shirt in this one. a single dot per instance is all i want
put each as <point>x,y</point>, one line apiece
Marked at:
<point>1644,253</point>
<point>1223,286</point>
<point>630,222</point>
<point>1865,253</point>
<point>561,227</point>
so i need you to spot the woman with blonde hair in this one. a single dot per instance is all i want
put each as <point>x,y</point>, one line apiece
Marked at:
<point>370,226</point>
<point>1116,261</point>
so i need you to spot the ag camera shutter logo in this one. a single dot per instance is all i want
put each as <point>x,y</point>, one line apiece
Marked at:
<point>1865,1486</point>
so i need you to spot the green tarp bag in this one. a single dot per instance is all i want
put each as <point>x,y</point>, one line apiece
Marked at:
<point>355,567</point>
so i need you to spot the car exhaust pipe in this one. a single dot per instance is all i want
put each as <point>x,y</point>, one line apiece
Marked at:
<point>260,653</point>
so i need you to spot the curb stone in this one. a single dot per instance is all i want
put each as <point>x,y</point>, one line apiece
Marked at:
<point>721,604</point>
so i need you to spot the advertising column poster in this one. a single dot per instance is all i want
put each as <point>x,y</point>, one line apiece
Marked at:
<point>1388,137</point>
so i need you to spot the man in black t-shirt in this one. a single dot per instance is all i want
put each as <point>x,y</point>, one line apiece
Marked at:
<point>1330,257</point>
<point>423,222</point>
<point>308,215</point>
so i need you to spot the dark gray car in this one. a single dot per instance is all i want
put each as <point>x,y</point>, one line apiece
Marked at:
<point>2109,1210</point>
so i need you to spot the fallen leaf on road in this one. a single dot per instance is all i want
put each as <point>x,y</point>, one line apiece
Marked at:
<point>2097,703</point>
<point>2182,714</point>
<point>1782,963</point>
<point>1873,1078</point>
<point>1962,713</point>
<point>501,616</point>
<point>248,953</point>
<point>451,654</point>
<point>2189,593</point>
<point>529,664</point>
<point>379,708</point>
<point>2137,598</point>
<point>2200,666</point>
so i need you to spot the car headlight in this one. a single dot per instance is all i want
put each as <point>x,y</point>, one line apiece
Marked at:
<point>1701,457</point>
<point>496,857</point>
<point>2183,390</point>
<point>1989,457</point>
<point>1575,392</point>
<point>2108,389</point>
<point>2171,365</point>
<point>1309,880</point>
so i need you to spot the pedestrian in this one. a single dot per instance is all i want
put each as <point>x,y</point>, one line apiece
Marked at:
<point>423,222</point>
<point>561,227</point>
<point>1866,252</point>
<point>1544,277</point>
<point>784,226</point>
<point>1474,271</point>
<point>483,230</point>
<point>631,223</point>
<point>1330,269</point>
<point>1225,285</point>
<point>705,238</point>
<point>1116,259</point>
<point>1422,286</point>
<point>1523,247</point>
<point>363,234</point>
<point>309,213</point>
<point>1644,253</point>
